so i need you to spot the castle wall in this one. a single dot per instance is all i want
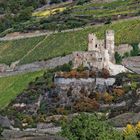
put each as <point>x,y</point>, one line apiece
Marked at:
<point>88,59</point>
<point>123,48</point>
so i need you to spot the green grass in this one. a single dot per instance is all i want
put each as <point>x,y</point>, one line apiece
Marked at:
<point>11,86</point>
<point>60,43</point>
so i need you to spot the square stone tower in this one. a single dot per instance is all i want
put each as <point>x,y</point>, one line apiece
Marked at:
<point>110,44</point>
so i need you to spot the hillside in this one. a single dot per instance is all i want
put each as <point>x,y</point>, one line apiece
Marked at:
<point>46,103</point>
<point>63,43</point>
<point>89,13</point>
<point>67,15</point>
<point>11,86</point>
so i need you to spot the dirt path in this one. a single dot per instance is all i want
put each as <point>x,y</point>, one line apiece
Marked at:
<point>31,50</point>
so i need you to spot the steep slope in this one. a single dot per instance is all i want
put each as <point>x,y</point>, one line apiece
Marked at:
<point>63,43</point>
<point>10,87</point>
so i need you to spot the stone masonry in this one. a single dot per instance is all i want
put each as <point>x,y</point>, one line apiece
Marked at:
<point>100,54</point>
<point>97,49</point>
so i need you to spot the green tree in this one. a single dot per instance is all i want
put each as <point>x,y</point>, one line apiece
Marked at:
<point>25,14</point>
<point>89,127</point>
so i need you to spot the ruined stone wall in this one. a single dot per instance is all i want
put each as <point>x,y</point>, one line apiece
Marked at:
<point>94,44</point>
<point>52,63</point>
<point>88,59</point>
<point>123,48</point>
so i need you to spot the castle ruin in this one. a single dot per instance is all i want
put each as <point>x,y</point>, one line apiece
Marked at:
<point>100,54</point>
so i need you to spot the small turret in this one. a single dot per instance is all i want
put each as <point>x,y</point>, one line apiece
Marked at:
<point>92,42</point>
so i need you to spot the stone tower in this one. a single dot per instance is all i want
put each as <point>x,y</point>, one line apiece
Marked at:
<point>92,41</point>
<point>110,44</point>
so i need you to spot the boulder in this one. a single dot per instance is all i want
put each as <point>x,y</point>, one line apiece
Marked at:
<point>123,119</point>
<point>5,122</point>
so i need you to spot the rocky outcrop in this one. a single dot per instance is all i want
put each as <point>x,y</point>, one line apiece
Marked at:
<point>5,122</point>
<point>123,119</point>
<point>31,135</point>
<point>132,63</point>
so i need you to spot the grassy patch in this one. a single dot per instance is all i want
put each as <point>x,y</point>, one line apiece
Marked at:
<point>11,86</point>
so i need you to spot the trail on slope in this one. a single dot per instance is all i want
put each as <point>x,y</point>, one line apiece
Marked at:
<point>30,51</point>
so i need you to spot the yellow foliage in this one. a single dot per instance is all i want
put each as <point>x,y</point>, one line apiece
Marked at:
<point>129,130</point>
<point>137,128</point>
<point>107,97</point>
<point>48,12</point>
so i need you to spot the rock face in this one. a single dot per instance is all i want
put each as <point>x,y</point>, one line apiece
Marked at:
<point>132,63</point>
<point>123,119</point>
<point>5,122</point>
<point>31,135</point>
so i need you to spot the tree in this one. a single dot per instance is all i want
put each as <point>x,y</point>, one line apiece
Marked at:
<point>135,51</point>
<point>88,127</point>
<point>25,14</point>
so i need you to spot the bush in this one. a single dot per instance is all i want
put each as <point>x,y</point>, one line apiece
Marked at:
<point>88,127</point>
<point>86,105</point>
<point>132,132</point>
<point>131,137</point>
<point>107,97</point>
<point>133,86</point>
<point>118,58</point>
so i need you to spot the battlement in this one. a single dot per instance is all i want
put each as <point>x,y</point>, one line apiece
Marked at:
<point>94,44</point>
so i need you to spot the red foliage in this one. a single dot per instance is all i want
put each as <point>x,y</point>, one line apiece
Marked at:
<point>86,104</point>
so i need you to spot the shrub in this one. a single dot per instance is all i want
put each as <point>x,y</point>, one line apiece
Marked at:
<point>118,58</point>
<point>105,73</point>
<point>129,130</point>
<point>107,97</point>
<point>118,92</point>
<point>133,86</point>
<point>132,132</point>
<point>131,137</point>
<point>88,127</point>
<point>137,128</point>
<point>108,20</point>
<point>86,104</point>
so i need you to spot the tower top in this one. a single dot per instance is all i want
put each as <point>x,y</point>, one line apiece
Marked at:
<point>110,32</point>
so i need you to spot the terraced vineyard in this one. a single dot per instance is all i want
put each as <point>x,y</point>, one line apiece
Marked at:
<point>91,13</point>
<point>107,9</point>
<point>64,43</point>
<point>10,87</point>
<point>11,51</point>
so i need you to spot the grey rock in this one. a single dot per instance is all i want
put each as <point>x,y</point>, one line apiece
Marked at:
<point>5,122</point>
<point>14,134</point>
<point>123,119</point>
